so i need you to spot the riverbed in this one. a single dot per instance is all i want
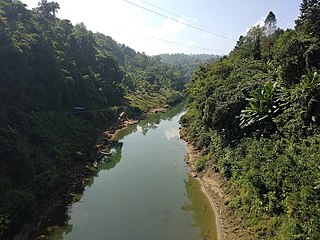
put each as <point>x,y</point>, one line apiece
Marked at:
<point>142,191</point>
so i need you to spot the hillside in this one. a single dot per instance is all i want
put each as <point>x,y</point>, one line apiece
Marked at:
<point>188,63</point>
<point>61,86</point>
<point>254,116</point>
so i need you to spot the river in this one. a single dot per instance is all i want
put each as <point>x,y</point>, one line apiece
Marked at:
<point>142,191</point>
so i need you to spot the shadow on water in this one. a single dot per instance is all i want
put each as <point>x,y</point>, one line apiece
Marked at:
<point>59,223</point>
<point>56,224</point>
<point>204,216</point>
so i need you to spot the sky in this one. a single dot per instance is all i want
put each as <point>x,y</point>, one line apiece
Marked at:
<point>175,26</point>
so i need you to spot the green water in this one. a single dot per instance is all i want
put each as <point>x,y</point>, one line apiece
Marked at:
<point>143,191</point>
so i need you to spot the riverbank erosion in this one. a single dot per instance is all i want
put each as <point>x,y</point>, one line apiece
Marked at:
<point>229,226</point>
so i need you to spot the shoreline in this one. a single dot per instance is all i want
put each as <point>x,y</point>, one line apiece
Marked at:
<point>204,178</point>
<point>112,133</point>
<point>192,158</point>
<point>228,226</point>
<point>66,196</point>
<point>124,123</point>
<point>32,228</point>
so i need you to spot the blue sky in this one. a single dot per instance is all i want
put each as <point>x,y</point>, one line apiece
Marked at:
<point>151,33</point>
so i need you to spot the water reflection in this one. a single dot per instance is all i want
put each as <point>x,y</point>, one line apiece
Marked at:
<point>171,133</point>
<point>152,122</point>
<point>112,160</point>
<point>57,223</point>
<point>53,226</point>
<point>200,206</point>
<point>146,196</point>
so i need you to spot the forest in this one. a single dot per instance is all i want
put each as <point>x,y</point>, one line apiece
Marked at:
<point>188,63</point>
<point>49,69</point>
<point>255,117</point>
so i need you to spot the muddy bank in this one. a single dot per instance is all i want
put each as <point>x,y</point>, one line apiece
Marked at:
<point>229,227</point>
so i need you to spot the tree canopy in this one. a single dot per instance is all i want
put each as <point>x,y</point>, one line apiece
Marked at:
<point>254,116</point>
<point>270,24</point>
<point>50,67</point>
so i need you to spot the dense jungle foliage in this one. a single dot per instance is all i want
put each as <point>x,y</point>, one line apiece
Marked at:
<point>255,116</point>
<point>47,68</point>
<point>187,63</point>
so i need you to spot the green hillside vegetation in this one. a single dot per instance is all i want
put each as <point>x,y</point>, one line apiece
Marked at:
<point>255,117</point>
<point>188,63</point>
<point>48,67</point>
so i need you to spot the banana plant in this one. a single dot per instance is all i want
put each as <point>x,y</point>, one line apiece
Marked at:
<point>311,80</point>
<point>262,107</point>
<point>310,97</point>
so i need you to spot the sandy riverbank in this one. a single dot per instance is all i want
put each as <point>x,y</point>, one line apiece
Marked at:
<point>192,158</point>
<point>213,186</point>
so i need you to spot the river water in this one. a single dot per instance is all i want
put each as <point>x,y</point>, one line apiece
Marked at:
<point>142,192</point>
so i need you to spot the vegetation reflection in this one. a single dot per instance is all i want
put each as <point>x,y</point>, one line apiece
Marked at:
<point>204,216</point>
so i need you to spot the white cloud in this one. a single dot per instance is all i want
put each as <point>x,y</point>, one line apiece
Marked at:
<point>171,133</point>
<point>139,128</point>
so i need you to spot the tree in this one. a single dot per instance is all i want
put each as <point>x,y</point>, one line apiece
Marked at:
<point>255,35</point>
<point>249,46</point>
<point>48,66</point>
<point>270,34</point>
<point>270,154</point>
<point>270,24</point>
<point>289,54</point>
<point>48,9</point>
<point>309,19</point>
